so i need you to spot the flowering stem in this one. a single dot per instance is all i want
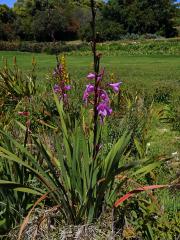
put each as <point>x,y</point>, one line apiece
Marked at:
<point>96,70</point>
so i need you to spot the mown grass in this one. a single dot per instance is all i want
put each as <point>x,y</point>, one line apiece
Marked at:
<point>143,71</point>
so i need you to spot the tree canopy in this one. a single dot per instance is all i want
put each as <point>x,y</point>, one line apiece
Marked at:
<point>48,20</point>
<point>142,16</point>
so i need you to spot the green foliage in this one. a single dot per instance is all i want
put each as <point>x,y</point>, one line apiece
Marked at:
<point>75,180</point>
<point>125,47</point>
<point>68,20</point>
<point>133,114</point>
<point>7,18</point>
<point>6,14</point>
<point>14,87</point>
<point>107,30</point>
<point>143,16</point>
<point>151,47</point>
<point>58,155</point>
<point>172,113</point>
<point>14,84</point>
<point>39,47</point>
<point>149,221</point>
<point>16,195</point>
<point>48,20</point>
<point>163,94</point>
<point>80,184</point>
<point>49,25</point>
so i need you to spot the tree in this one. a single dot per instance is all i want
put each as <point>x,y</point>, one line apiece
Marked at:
<point>46,20</point>
<point>36,19</point>
<point>49,25</point>
<point>6,14</point>
<point>81,3</point>
<point>142,16</point>
<point>49,20</point>
<point>7,19</point>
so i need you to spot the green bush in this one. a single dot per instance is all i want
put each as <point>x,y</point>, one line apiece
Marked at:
<point>139,47</point>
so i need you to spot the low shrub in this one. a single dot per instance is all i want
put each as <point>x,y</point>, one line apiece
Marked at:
<point>133,47</point>
<point>9,46</point>
<point>39,47</point>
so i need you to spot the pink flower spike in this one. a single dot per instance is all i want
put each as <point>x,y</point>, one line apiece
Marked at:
<point>115,86</point>
<point>91,76</point>
<point>26,114</point>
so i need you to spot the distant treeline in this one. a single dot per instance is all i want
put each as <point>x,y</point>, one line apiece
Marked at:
<point>55,20</point>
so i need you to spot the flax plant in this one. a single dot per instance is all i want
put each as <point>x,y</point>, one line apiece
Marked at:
<point>15,84</point>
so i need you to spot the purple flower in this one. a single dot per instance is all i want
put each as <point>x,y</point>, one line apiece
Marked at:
<point>91,76</point>
<point>89,90</point>
<point>115,86</point>
<point>56,88</point>
<point>104,96</point>
<point>65,96</point>
<point>67,87</point>
<point>103,110</point>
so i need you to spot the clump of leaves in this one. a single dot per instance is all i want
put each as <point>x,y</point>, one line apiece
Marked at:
<point>14,85</point>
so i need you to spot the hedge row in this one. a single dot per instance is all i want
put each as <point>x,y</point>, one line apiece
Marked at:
<point>146,47</point>
<point>39,47</point>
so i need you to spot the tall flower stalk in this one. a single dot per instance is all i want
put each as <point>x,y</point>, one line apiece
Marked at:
<point>96,70</point>
<point>61,75</point>
<point>101,102</point>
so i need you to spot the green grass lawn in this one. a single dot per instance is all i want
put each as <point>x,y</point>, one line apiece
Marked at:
<point>143,71</point>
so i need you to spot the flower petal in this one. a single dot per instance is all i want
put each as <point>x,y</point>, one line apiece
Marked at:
<point>67,87</point>
<point>91,76</point>
<point>115,86</point>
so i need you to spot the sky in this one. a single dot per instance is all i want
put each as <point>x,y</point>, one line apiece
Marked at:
<point>11,2</point>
